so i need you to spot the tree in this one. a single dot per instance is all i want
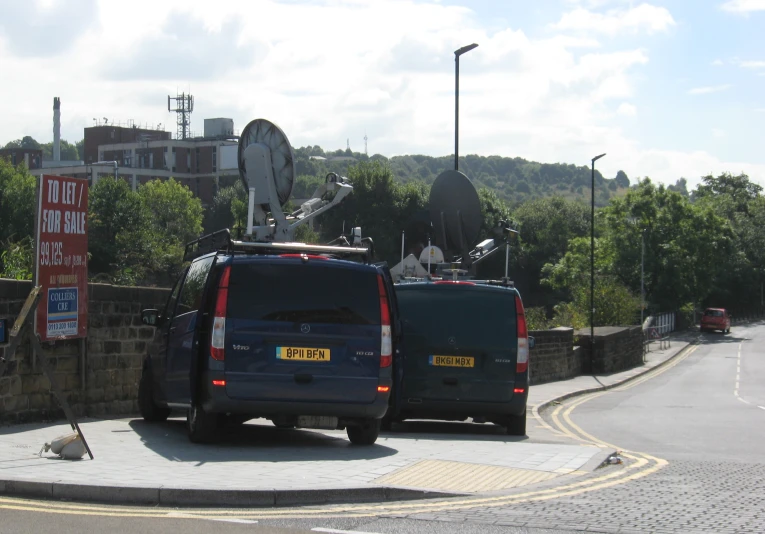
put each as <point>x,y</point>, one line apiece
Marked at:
<point>687,246</point>
<point>622,180</point>
<point>220,215</point>
<point>69,151</point>
<point>24,142</point>
<point>17,202</point>
<point>177,213</point>
<point>379,205</point>
<point>546,226</point>
<point>114,209</point>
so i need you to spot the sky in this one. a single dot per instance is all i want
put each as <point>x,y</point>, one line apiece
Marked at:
<point>666,88</point>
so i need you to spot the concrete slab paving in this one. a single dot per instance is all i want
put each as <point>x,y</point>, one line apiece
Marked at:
<point>257,464</point>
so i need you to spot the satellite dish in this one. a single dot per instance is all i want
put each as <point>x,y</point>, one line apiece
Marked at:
<point>434,253</point>
<point>454,209</point>
<point>267,133</point>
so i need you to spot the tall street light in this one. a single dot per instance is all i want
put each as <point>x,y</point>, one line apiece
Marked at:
<point>592,267</point>
<point>457,54</point>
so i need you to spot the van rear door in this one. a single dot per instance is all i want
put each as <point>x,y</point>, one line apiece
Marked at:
<point>303,331</point>
<point>459,342</point>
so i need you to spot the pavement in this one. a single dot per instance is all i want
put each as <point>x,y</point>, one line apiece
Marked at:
<point>259,465</point>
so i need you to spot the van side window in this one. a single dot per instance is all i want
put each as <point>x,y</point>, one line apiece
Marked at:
<point>194,286</point>
<point>173,299</point>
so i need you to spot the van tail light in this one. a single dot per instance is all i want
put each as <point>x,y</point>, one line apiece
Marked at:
<point>522,363</point>
<point>386,342</point>
<point>218,339</point>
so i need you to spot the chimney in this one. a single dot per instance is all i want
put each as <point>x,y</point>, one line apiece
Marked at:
<point>56,128</point>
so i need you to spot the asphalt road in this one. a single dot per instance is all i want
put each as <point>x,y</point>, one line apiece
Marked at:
<point>702,410</point>
<point>698,425</point>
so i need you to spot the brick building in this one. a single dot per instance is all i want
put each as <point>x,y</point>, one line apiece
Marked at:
<point>30,156</point>
<point>138,155</point>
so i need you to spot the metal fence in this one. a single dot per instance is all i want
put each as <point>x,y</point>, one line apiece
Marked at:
<point>657,329</point>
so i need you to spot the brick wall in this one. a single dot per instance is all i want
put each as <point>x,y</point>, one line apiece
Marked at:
<point>553,356</point>
<point>615,349</point>
<point>112,364</point>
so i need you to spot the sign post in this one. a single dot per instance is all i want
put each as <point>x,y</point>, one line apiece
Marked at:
<point>61,265</point>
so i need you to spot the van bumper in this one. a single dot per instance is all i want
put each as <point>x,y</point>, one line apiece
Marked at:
<point>217,401</point>
<point>460,410</point>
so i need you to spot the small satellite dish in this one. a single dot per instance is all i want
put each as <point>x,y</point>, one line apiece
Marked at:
<point>431,254</point>
<point>282,157</point>
<point>454,209</point>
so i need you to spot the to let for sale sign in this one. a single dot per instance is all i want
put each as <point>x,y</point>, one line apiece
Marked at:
<point>62,257</point>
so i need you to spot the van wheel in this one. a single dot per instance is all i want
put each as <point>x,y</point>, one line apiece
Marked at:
<point>516,425</point>
<point>146,405</point>
<point>200,425</point>
<point>365,434</point>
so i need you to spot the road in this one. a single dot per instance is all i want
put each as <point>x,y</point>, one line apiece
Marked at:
<point>692,437</point>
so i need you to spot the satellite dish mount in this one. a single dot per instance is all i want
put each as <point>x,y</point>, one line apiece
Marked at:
<point>267,169</point>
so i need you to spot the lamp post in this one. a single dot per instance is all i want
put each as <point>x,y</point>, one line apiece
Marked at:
<point>457,54</point>
<point>592,266</point>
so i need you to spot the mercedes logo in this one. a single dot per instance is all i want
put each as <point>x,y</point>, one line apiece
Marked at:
<point>452,341</point>
<point>305,328</point>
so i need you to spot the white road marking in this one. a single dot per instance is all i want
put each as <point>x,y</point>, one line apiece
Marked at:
<point>232,520</point>
<point>738,376</point>
<point>335,531</point>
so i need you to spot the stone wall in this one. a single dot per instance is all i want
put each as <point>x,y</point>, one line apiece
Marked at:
<point>553,356</point>
<point>102,381</point>
<point>615,349</point>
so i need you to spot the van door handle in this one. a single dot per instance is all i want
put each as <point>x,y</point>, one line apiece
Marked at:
<point>450,381</point>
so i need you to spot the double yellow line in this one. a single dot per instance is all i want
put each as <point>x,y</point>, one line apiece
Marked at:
<point>639,465</point>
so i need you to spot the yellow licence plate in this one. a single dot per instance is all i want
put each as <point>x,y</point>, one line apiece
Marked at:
<point>452,361</point>
<point>306,354</point>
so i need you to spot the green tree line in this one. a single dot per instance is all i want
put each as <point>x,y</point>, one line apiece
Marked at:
<point>703,247</point>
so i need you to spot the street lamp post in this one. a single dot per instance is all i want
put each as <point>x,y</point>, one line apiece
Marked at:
<point>457,54</point>
<point>592,267</point>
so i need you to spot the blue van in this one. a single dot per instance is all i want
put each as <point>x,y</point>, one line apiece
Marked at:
<point>292,333</point>
<point>464,353</point>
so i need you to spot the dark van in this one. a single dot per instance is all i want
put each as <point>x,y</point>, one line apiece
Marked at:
<point>298,338</point>
<point>464,354</point>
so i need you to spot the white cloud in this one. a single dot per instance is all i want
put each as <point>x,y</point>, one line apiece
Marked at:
<point>752,64</point>
<point>744,6</point>
<point>646,17</point>
<point>325,73</point>
<point>717,133</point>
<point>717,63</point>
<point>628,110</point>
<point>709,89</point>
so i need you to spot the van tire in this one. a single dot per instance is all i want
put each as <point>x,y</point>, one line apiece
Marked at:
<point>146,405</point>
<point>201,425</point>
<point>365,434</point>
<point>516,425</point>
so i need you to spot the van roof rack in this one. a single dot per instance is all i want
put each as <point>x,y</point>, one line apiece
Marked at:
<point>221,241</point>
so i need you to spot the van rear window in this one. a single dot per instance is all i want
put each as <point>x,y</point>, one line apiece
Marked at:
<point>303,293</point>
<point>473,318</point>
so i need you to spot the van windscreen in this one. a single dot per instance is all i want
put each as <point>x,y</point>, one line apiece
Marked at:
<point>303,293</point>
<point>473,318</point>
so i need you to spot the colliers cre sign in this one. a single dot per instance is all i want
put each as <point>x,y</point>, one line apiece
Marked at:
<point>62,257</point>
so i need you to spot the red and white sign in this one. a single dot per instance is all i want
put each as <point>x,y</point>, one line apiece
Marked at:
<point>62,258</point>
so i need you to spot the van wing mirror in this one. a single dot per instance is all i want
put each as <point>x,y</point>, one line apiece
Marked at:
<point>531,342</point>
<point>150,317</point>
